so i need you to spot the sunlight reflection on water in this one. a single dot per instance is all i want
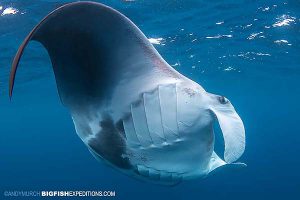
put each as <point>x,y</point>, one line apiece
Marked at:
<point>9,11</point>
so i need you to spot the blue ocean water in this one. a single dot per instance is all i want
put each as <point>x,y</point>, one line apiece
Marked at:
<point>245,50</point>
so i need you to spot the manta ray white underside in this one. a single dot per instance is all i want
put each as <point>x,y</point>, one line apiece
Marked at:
<point>132,109</point>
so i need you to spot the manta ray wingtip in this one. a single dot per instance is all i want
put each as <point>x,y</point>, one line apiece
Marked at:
<point>11,82</point>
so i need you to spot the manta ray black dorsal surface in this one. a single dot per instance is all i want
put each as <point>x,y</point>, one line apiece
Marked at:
<point>130,108</point>
<point>86,42</point>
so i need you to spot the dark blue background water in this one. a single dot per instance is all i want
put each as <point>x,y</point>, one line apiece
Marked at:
<point>245,50</point>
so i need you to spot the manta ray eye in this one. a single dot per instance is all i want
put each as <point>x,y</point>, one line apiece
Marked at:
<point>223,100</point>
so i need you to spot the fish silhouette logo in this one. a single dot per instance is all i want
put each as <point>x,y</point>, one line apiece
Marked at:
<point>129,106</point>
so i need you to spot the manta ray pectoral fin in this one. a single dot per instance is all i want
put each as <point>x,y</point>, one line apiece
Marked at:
<point>92,48</point>
<point>233,132</point>
<point>216,162</point>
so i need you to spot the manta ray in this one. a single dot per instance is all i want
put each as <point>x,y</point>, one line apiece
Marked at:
<point>131,109</point>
